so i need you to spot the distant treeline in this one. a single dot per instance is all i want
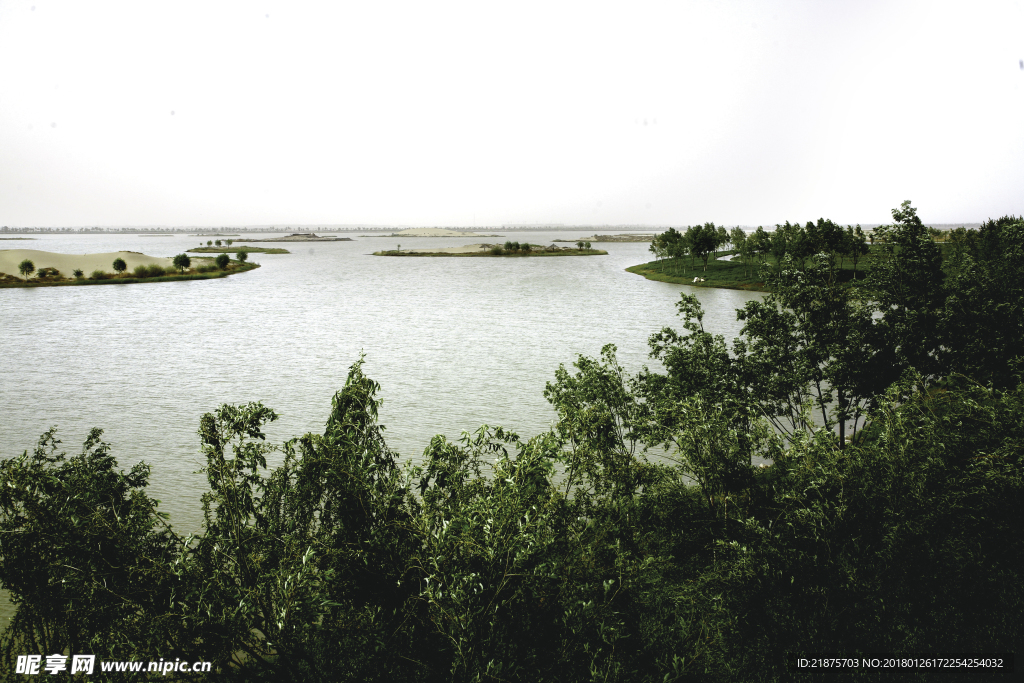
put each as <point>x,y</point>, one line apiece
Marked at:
<point>633,541</point>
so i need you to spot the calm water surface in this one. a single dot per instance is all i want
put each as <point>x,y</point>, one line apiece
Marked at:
<point>454,343</point>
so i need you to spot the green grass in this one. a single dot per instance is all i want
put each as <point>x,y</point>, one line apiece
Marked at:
<point>234,250</point>
<point>722,274</point>
<point>127,280</point>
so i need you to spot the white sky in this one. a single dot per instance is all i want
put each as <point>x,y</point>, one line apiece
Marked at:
<point>486,113</point>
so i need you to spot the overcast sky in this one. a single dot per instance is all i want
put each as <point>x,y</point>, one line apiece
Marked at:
<point>484,113</point>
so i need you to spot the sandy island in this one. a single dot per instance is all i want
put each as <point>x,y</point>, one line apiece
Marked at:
<point>467,249</point>
<point>67,263</point>
<point>485,249</point>
<point>435,232</point>
<point>299,237</point>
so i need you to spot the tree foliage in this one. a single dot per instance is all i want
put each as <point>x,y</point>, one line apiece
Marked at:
<point>633,541</point>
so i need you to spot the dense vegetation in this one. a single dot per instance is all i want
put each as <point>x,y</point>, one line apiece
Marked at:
<point>678,252</point>
<point>634,541</point>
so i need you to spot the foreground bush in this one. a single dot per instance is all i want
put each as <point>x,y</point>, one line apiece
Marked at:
<point>152,270</point>
<point>565,557</point>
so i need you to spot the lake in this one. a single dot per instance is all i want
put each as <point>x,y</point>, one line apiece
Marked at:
<point>453,342</point>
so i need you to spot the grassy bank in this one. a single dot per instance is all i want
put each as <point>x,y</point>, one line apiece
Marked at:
<point>8,281</point>
<point>723,274</point>
<point>502,254</point>
<point>234,250</point>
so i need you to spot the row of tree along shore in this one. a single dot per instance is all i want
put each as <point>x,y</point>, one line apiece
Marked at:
<point>633,541</point>
<point>680,254</point>
<point>181,268</point>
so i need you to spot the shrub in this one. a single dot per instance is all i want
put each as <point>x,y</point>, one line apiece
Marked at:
<point>509,247</point>
<point>78,273</point>
<point>496,250</point>
<point>99,275</point>
<point>525,247</point>
<point>243,256</point>
<point>48,274</point>
<point>205,268</point>
<point>222,261</point>
<point>26,267</point>
<point>217,242</point>
<point>152,270</point>
<point>119,265</point>
<point>209,242</point>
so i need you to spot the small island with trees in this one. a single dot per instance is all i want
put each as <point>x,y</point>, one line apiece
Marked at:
<point>126,267</point>
<point>508,249</point>
<point>215,247</point>
<point>697,255</point>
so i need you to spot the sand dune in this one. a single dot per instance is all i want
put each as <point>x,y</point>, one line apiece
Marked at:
<point>66,263</point>
<point>468,249</point>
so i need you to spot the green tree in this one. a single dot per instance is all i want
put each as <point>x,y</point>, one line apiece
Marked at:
<point>741,243</point>
<point>209,242</point>
<point>242,256</point>
<point>855,246</point>
<point>703,241</point>
<point>981,321</point>
<point>119,266</point>
<point>721,238</point>
<point>83,552</point>
<point>761,244</point>
<point>217,242</point>
<point>26,268</point>
<point>78,273</point>
<point>222,261</point>
<point>907,282</point>
<point>182,262</point>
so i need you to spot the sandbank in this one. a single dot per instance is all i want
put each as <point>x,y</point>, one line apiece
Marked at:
<point>299,237</point>
<point>67,263</point>
<point>467,249</point>
<point>436,232</point>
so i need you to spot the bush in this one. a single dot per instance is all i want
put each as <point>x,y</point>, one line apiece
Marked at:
<point>48,274</point>
<point>209,243</point>
<point>496,250</point>
<point>78,273</point>
<point>222,261</point>
<point>205,269</point>
<point>25,268</point>
<point>99,275</point>
<point>152,270</point>
<point>525,247</point>
<point>242,256</point>
<point>217,242</point>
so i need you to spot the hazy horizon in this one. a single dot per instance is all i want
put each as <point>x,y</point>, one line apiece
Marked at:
<point>461,114</point>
